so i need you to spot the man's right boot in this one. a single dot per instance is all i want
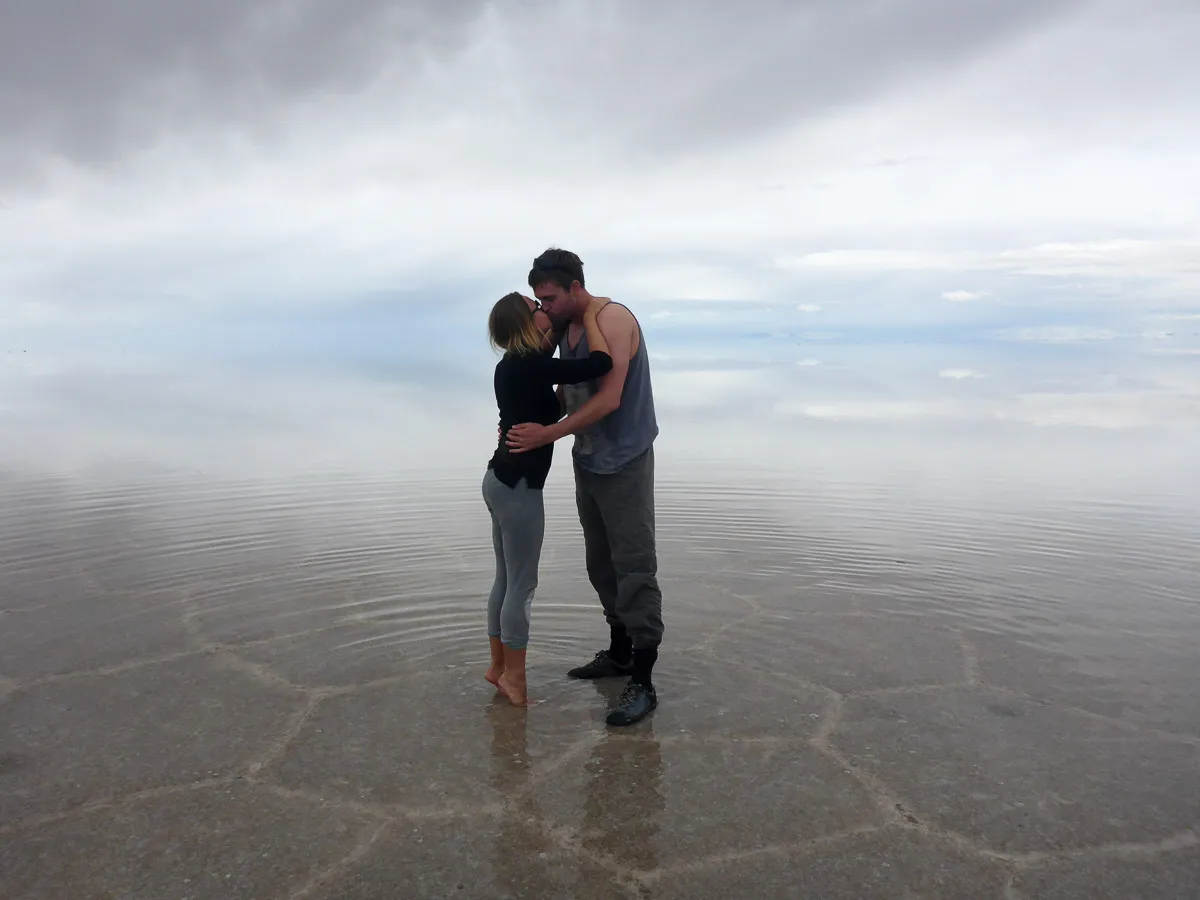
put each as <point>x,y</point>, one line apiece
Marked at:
<point>603,665</point>
<point>615,662</point>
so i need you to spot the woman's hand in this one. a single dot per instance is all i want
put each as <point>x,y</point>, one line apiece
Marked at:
<point>594,306</point>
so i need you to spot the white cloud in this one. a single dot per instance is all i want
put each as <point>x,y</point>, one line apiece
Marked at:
<point>869,260</point>
<point>1152,408</point>
<point>870,410</point>
<point>692,390</point>
<point>809,307</point>
<point>19,365</point>
<point>18,313</point>
<point>1112,410</point>
<point>675,281</point>
<point>1059,334</point>
<point>1173,263</point>
<point>958,374</point>
<point>1176,261</point>
<point>409,168</point>
<point>808,363</point>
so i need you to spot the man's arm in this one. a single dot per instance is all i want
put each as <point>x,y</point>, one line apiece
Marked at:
<point>618,326</point>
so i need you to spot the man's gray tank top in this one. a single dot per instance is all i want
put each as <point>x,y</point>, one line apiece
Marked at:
<point>629,430</point>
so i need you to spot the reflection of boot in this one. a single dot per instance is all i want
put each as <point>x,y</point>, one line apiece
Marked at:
<point>623,800</point>
<point>496,669</point>
<point>512,682</point>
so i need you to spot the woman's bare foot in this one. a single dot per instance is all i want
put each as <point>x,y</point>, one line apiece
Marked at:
<point>513,688</point>
<point>496,669</point>
<point>511,682</point>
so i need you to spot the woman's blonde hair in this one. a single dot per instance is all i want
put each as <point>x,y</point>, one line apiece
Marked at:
<point>511,327</point>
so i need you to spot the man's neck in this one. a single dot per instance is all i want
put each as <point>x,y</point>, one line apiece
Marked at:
<point>578,316</point>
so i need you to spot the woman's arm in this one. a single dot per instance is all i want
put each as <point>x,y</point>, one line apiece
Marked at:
<point>574,371</point>
<point>598,362</point>
<point>595,336</point>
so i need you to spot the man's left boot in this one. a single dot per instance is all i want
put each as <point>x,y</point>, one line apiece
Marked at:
<point>639,698</point>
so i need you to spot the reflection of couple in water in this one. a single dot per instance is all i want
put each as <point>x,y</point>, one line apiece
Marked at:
<point>622,802</point>
<point>604,399</point>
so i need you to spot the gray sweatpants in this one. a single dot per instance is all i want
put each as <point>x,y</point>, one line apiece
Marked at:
<point>518,526</point>
<point>617,515</point>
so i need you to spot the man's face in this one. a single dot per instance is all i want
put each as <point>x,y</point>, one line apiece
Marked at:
<point>557,303</point>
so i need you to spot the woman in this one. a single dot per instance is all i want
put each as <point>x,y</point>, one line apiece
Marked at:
<point>512,487</point>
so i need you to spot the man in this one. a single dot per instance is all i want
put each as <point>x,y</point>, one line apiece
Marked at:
<point>614,425</point>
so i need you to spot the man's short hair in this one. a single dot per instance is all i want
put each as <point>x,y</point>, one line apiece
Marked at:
<point>559,267</point>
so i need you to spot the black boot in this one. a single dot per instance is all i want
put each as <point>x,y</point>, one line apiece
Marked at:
<point>637,701</point>
<point>611,663</point>
<point>639,698</point>
<point>601,666</point>
<point>620,645</point>
<point>643,665</point>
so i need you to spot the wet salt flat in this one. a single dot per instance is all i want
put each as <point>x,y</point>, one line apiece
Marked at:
<point>920,299</point>
<point>885,675</point>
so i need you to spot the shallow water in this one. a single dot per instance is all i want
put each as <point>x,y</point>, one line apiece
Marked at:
<point>953,664</point>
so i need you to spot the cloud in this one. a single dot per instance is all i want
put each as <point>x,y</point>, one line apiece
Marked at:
<point>866,260</point>
<point>958,374</point>
<point>162,162</point>
<point>1156,407</point>
<point>871,410</point>
<point>669,280</point>
<point>1059,334</point>
<point>1126,258</point>
<point>1107,410</point>
<point>697,389</point>
<point>660,79</point>
<point>1175,262</point>
<point>311,186</point>
<point>91,82</point>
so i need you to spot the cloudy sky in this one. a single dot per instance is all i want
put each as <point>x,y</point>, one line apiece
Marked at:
<point>844,209</point>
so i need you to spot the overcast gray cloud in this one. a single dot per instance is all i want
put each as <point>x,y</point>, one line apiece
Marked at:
<point>837,210</point>
<point>90,80</point>
<point>94,80</point>
<point>679,72</point>
<point>198,156</point>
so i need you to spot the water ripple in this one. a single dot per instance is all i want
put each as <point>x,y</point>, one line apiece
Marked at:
<point>411,558</point>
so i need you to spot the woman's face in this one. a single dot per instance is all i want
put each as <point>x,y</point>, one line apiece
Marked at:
<point>541,320</point>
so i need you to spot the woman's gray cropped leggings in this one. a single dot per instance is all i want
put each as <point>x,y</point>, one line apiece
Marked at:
<point>518,526</point>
